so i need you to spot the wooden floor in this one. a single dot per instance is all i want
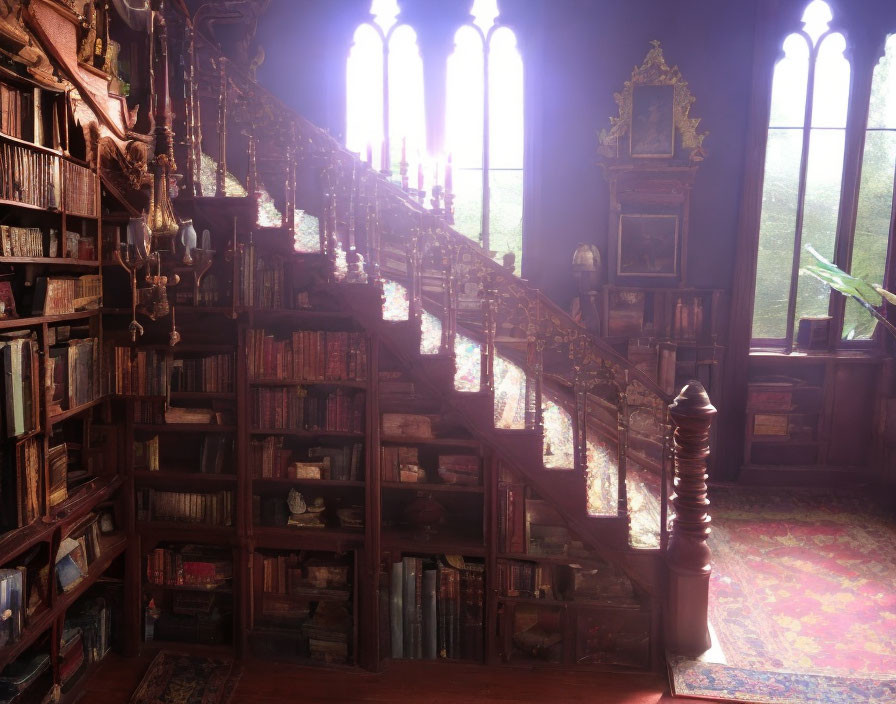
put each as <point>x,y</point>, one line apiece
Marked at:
<point>406,683</point>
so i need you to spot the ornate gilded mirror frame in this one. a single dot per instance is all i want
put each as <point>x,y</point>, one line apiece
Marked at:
<point>653,76</point>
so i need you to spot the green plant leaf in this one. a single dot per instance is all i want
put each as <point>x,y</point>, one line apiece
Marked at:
<point>837,278</point>
<point>889,296</point>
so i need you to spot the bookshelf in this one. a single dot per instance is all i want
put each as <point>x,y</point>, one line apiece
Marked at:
<point>63,513</point>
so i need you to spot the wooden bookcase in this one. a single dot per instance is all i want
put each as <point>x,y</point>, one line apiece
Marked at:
<point>46,193</point>
<point>418,527</point>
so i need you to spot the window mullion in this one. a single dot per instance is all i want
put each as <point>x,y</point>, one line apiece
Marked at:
<point>856,123</point>
<point>800,203</point>
<point>486,191</point>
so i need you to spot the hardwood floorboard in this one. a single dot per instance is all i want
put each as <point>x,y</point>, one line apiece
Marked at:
<point>264,682</point>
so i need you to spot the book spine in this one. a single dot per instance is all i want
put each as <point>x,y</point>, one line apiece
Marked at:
<point>430,635</point>
<point>397,609</point>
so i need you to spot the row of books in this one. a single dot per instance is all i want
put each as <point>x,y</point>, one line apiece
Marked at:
<point>307,355</point>
<point>29,177</point>
<point>294,576</point>
<point>19,361</point>
<point>197,566</point>
<point>73,374</point>
<point>263,282</point>
<point>12,604</point>
<point>213,373</point>
<point>140,372</point>
<point>270,459</point>
<point>93,618</point>
<point>522,579</point>
<point>80,190</point>
<point>77,552</point>
<point>288,408</point>
<point>436,610</point>
<point>687,317</point>
<point>213,509</point>
<point>60,295</point>
<point>22,241</point>
<point>16,110</point>
<point>21,490</point>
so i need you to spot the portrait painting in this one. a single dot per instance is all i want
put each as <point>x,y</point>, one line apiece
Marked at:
<point>653,125</point>
<point>648,245</point>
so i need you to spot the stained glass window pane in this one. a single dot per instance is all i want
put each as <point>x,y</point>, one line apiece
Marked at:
<point>208,170</point>
<point>644,493</point>
<point>468,361</point>
<point>820,210</point>
<point>776,233</point>
<point>789,84</point>
<point>506,213</point>
<point>364,98</point>
<point>307,238</point>
<point>882,108</point>
<point>780,190</point>
<point>463,128</point>
<point>831,92</point>
<point>601,479</point>
<point>396,305</point>
<point>871,238</point>
<point>559,441</point>
<point>510,394</point>
<point>407,120</point>
<point>468,202</point>
<point>430,334</point>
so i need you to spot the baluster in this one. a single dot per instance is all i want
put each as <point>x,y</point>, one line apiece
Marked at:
<point>448,294</point>
<point>664,488</point>
<point>623,421</point>
<point>252,169</point>
<point>289,204</point>
<point>372,231</point>
<point>191,105</point>
<point>332,238</point>
<point>581,432</point>
<point>487,349</point>
<point>450,321</point>
<point>688,556</point>
<point>221,173</point>
<point>413,271</point>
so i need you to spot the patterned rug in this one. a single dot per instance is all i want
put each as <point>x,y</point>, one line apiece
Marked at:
<point>802,599</point>
<point>178,678</point>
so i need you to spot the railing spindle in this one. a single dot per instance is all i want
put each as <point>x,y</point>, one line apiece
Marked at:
<point>487,348</point>
<point>221,173</point>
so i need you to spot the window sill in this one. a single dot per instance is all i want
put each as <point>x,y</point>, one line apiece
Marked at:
<point>819,355</point>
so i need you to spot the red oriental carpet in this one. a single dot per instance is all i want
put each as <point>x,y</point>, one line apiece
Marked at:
<point>802,599</point>
<point>180,678</point>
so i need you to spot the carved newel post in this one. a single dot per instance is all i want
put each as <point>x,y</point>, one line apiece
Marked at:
<point>688,555</point>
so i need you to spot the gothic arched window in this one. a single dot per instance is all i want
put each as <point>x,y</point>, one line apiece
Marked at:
<point>480,164</point>
<point>807,197</point>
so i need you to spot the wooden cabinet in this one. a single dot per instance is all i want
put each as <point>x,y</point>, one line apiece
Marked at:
<point>809,418</point>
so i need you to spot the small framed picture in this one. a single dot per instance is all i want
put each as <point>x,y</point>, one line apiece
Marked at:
<point>647,246</point>
<point>653,122</point>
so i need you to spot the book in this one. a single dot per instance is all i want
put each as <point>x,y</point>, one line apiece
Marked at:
<point>18,356</point>
<point>396,605</point>
<point>430,630</point>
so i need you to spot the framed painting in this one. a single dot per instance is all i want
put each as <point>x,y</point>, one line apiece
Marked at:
<point>647,245</point>
<point>653,121</point>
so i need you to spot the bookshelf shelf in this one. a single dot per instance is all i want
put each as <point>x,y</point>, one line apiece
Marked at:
<point>149,586</point>
<point>18,540</point>
<point>309,434</point>
<point>210,395</point>
<point>172,531</point>
<point>432,487</point>
<point>322,483</point>
<point>86,498</point>
<point>65,415</point>
<point>189,479</point>
<point>265,316</point>
<point>435,544</point>
<point>55,261</point>
<point>112,546</point>
<point>49,319</point>
<point>591,604</point>
<point>286,538</point>
<point>334,383</point>
<point>433,442</point>
<point>185,428</point>
<point>28,206</point>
